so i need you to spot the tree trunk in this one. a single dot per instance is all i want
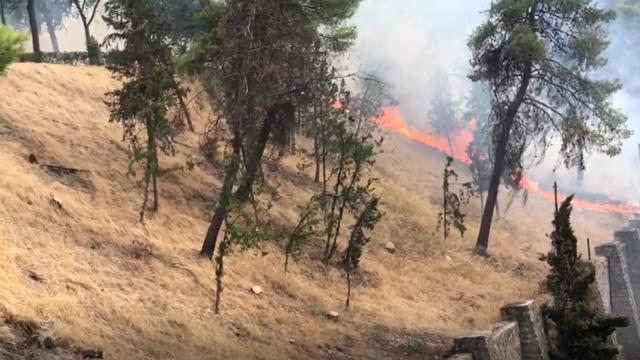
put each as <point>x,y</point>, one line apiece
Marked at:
<point>450,146</point>
<point>145,198</point>
<point>316,150</point>
<point>500,153</point>
<point>183,105</point>
<point>156,200</point>
<point>246,184</point>
<point>52,30</point>
<point>348,288</point>
<point>445,205</point>
<point>220,273</point>
<point>2,18</point>
<point>33,24</point>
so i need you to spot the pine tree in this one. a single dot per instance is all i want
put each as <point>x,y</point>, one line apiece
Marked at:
<point>583,331</point>
<point>537,58</point>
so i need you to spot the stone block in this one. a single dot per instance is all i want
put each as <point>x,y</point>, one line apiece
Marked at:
<point>533,340</point>
<point>621,296</point>
<point>502,343</point>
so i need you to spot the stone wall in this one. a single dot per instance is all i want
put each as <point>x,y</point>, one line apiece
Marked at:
<point>523,334</point>
<point>621,297</point>
<point>520,337</point>
<point>501,343</point>
<point>533,339</point>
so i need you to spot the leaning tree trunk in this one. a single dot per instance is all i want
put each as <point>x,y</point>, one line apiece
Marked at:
<point>246,184</point>
<point>501,150</point>
<point>33,24</point>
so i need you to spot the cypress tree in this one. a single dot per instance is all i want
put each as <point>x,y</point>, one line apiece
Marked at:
<point>583,330</point>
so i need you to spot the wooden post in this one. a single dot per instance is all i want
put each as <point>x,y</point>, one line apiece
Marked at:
<point>589,248</point>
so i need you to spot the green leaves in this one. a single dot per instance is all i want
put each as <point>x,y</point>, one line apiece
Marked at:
<point>583,328</point>
<point>11,44</point>
<point>451,214</point>
<point>524,45</point>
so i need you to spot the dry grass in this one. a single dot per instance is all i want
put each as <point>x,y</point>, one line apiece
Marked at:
<point>142,292</point>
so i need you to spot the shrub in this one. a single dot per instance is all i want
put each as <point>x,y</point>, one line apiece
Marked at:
<point>10,46</point>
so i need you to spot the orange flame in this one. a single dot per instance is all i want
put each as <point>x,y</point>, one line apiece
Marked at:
<point>392,120</point>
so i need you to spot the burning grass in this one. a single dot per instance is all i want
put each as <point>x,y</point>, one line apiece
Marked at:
<point>142,291</point>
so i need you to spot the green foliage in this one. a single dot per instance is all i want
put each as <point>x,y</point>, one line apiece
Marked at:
<point>308,227</point>
<point>345,149</point>
<point>451,214</point>
<point>241,231</point>
<point>366,221</point>
<point>11,43</point>
<point>557,54</point>
<point>583,329</point>
<point>93,51</point>
<point>538,59</point>
<point>150,89</point>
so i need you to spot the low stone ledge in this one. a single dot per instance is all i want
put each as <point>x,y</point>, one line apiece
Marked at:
<point>533,341</point>
<point>502,343</point>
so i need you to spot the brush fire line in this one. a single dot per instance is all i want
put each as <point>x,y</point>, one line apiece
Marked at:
<point>393,121</point>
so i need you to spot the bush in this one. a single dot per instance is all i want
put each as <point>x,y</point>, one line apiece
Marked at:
<point>10,46</point>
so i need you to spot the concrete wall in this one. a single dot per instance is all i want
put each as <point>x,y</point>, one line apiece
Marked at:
<point>622,298</point>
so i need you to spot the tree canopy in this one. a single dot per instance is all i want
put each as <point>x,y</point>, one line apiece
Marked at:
<point>538,59</point>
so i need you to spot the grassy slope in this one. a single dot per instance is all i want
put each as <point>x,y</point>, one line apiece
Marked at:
<point>141,291</point>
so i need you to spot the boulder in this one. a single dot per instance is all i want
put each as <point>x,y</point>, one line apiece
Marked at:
<point>333,315</point>
<point>256,290</point>
<point>390,247</point>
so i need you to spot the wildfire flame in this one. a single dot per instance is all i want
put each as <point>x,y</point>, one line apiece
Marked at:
<point>392,120</point>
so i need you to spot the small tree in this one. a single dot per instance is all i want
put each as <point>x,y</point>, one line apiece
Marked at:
<point>451,214</point>
<point>241,232</point>
<point>443,115</point>
<point>11,43</point>
<point>583,330</point>
<point>307,227</point>
<point>352,147</point>
<point>149,91</point>
<point>366,221</point>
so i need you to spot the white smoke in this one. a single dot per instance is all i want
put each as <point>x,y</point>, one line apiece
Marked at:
<point>406,42</point>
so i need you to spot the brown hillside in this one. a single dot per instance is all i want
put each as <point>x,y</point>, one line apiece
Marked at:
<point>142,292</point>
